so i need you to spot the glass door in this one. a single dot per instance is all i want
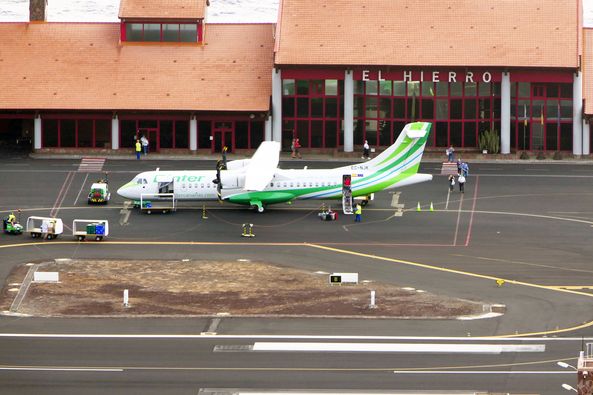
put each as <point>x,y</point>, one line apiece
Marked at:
<point>152,134</point>
<point>223,135</point>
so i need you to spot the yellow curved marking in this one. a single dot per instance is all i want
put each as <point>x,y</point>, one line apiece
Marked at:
<point>475,275</point>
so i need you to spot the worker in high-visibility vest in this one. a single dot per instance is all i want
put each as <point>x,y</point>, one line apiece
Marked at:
<point>11,218</point>
<point>138,149</point>
<point>358,213</point>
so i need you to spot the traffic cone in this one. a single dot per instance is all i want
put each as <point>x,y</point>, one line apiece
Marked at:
<point>418,207</point>
<point>431,207</point>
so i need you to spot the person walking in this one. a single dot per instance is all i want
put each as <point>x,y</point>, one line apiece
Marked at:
<point>138,149</point>
<point>451,182</point>
<point>366,150</point>
<point>292,153</point>
<point>461,181</point>
<point>297,147</point>
<point>144,141</point>
<point>358,213</point>
<point>450,154</point>
<point>464,169</point>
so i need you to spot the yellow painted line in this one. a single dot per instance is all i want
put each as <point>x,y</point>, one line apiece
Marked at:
<point>475,275</point>
<point>188,243</point>
<point>570,286</point>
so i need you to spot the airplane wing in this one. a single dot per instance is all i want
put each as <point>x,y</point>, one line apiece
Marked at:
<point>262,166</point>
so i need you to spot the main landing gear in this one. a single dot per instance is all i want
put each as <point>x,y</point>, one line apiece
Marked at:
<point>257,205</point>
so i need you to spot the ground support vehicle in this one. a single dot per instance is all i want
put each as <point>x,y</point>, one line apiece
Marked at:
<point>163,202</point>
<point>46,227</point>
<point>99,193</point>
<point>11,228</point>
<point>92,228</point>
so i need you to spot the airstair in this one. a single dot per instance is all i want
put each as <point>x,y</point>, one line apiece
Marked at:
<point>347,203</point>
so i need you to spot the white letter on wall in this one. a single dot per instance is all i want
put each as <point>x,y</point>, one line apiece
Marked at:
<point>452,76</point>
<point>486,77</point>
<point>407,76</point>
<point>469,77</point>
<point>365,75</point>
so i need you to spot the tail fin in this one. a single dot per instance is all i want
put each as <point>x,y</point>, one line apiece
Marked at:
<point>407,149</point>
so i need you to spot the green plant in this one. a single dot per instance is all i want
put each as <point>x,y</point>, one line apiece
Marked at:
<point>489,140</point>
<point>524,155</point>
<point>558,155</point>
<point>540,155</point>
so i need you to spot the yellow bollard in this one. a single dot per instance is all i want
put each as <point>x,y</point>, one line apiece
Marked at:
<point>431,207</point>
<point>204,212</point>
<point>499,282</point>
<point>418,207</point>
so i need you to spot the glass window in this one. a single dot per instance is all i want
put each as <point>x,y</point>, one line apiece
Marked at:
<point>128,133</point>
<point>257,134</point>
<point>317,87</point>
<point>371,87</point>
<point>133,32</point>
<point>166,134</point>
<point>385,88</point>
<point>147,124</point>
<point>288,87</point>
<point>288,106</point>
<point>358,87</point>
<point>303,133</point>
<point>566,109</point>
<point>385,108</point>
<point>302,87</point>
<point>384,137</point>
<point>455,134</point>
<point>442,89</point>
<point>413,108</point>
<point>358,106</point>
<point>171,32</point>
<point>331,107</point>
<point>331,128</point>
<point>552,90</point>
<point>316,107</point>
<point>442,134</point>
<point>469,134</point>
<point>442,110</point>
<point>399,108</point>
<point>566,136</point>
<point>288,134</point>
<point>303,107</point>
<point>204,133</point>
<point>428,89</point>
<point>331,87</point>
<point>413,88</point>
<point>484,89</point>
<point>152,32</point>
<point>67,133</point>
<point>103,133</point>
<point>85,133</point>
<point>188,32</point>
<point>316,134</point>
<point>524,89</point>
<point>469,109</point>
<point>456,88</point>
<point>566,90</point>
<point>427,109</point>
<point>181,134</point>
<point>371,107</point>
<point>552,109</point>
<point>456,109</point>
<point>399,88</point>
<point>241,134</point>
<point>471,89</point>
<point>552,136</point>
<point>50,133</point>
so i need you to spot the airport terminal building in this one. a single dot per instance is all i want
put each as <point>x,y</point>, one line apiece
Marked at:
<point>333,73</point>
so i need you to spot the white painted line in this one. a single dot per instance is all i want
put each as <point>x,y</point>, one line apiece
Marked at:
<point>50,369</point>
<point>299,337</point>
<point>81,188</point>
<point>399,347</point>
<point>343,392</point>
<point>571,372</point>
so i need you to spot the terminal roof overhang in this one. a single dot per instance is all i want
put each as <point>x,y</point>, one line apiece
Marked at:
<point>83,66</point>
<point>437,33</point>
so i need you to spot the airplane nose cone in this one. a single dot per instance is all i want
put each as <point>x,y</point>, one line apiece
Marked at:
<point>122,192</point>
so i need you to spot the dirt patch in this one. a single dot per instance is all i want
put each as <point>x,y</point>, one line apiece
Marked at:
<point>95,287</point>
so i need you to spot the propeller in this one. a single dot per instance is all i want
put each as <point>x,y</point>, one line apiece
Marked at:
<point>220,165</point>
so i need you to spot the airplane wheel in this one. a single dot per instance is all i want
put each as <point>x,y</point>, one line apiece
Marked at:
<point>260,209</point>
<point>364,203</point>
<point>80,238</point>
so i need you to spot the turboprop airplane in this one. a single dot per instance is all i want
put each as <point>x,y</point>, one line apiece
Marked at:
<point>259,182</point>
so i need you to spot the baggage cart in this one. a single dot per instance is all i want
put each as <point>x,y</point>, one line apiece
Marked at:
<point>163,202</point>
<point>47,227</point>
<point>92,228</point>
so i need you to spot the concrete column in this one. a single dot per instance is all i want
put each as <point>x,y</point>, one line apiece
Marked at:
<point>268,128</point>
<point>37,132</point>
<point>193,134</point>
<point>586,138</point>
<point>115,132</point>
<point>505,114</point>
<point>348,111</point>
<point>277,105</point>
<point>577,114</point>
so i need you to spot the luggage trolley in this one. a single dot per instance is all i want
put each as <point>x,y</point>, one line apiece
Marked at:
<point>91,228</point>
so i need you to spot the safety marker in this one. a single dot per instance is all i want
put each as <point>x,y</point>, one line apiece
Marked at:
<point>499,282</point>
<point>204,212</point>
<point>247,230</point>
<point>418,207</point>
<point>431,207</point>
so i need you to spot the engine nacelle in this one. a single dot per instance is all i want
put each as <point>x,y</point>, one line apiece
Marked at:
<point>232,179</point>
<point>237,164</point>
